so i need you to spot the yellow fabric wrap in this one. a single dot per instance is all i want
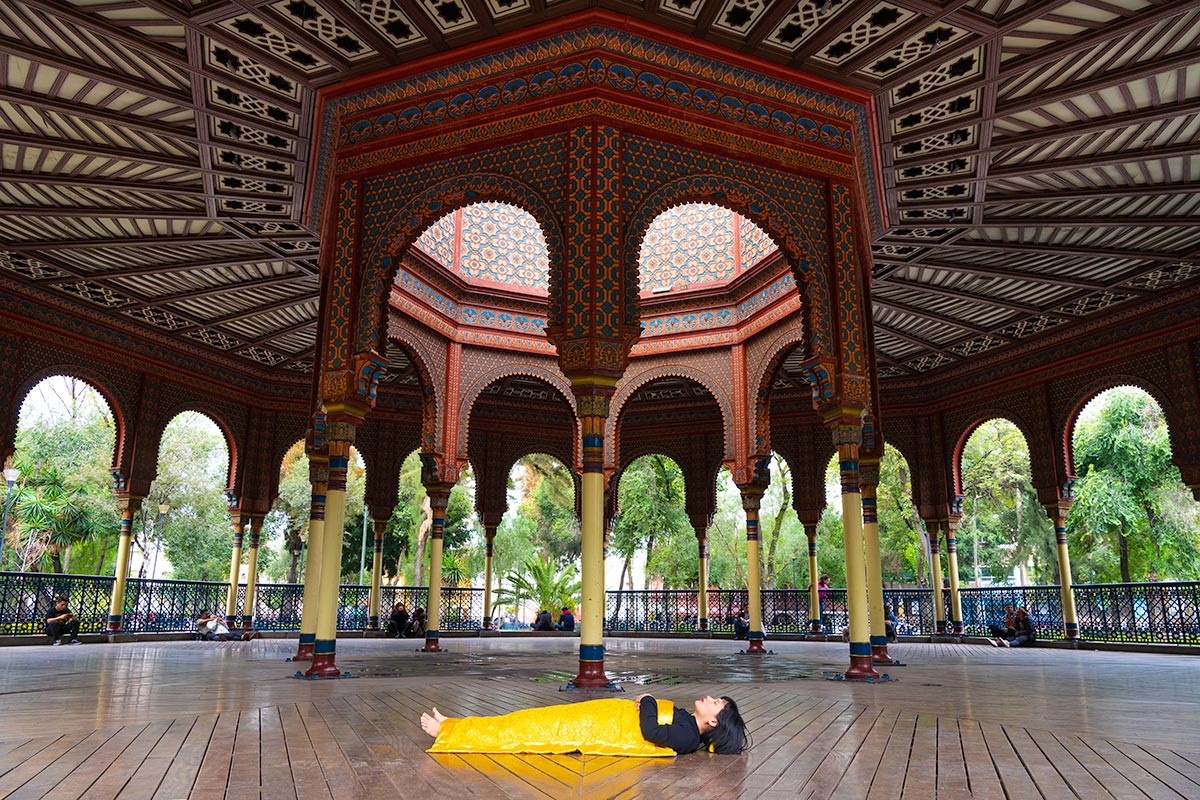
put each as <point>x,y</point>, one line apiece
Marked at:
<point>594,728</point>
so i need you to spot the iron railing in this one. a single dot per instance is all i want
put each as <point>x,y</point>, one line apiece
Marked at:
<point>1136,612</point>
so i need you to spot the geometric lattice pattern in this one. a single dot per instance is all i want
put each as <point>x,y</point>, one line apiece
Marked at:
<point>699,244</point>
<point>490,242</point>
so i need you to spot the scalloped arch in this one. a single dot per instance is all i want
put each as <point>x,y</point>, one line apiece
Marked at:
<point>1099,386</point>
<point>982,416</point>
<point>792,238</point>
<point>637,380</point>
<point>422,211</point>
<point>205,410</point>
<point>773,356</point>
<point>471,393</point>
<point>88,376</point>
<point>432,402</point>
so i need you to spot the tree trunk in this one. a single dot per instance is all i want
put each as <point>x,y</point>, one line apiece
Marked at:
<point>1123,544</point>
<point>56,559</point>
<point>293,566</point>
<point>103,556</point>
<point>776,526</point>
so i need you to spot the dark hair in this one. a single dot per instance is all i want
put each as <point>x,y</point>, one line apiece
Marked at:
<point>730,737</point>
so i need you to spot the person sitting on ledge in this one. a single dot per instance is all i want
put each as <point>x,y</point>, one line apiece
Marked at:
<point>566,621</point>
<point>1026,633</point>
<point>543,621</point>
<point>211,628</point>
<point>741,625</point>
<point>61,624</point>
<point>397,621</point>
<point>1005,628</point>
<point>611,727</point>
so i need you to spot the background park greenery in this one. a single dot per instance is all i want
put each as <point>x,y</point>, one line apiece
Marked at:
<point>1133,519</point>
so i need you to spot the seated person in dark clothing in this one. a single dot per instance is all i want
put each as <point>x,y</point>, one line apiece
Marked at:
<point>741,625</point>
<point>543,621</point>
<point>61,624</point>
<point>889,626</point>
<point>566,621</point>
<point>1005,628</point>
<point>1026,634</point>
<point>398,621</point>
<point>416,625</point>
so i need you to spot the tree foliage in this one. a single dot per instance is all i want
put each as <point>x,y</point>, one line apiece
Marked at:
<point>1132,518</point>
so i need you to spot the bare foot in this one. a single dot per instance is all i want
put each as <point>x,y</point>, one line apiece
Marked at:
<point>439,716</point>
<point>431,725</point>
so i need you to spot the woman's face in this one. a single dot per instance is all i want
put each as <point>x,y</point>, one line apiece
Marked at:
<point>707,709</point>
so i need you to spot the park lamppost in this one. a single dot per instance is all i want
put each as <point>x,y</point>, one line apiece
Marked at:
<point>162,516</point>
<point>11,475</point>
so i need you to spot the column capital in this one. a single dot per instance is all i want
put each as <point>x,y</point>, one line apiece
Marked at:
<point>439,494</point>
<point>593,394</point>
<point>868,471</point>
<point>129,502</point>
<point>353,388</point>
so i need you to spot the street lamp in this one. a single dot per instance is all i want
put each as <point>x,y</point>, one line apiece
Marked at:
<point>11,475</point>
<point>162,516</point>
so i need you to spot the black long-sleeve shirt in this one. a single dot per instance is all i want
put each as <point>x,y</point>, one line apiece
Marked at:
<point>682,735</point>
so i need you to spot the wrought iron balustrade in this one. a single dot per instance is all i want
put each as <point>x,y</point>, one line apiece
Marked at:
<point>1138,612</point>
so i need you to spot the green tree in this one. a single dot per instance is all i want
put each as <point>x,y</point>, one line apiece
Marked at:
<point>193,465</point>
<point>64,446</point>
<point>1132,517</point>
<point>650,512</point>
<point>543,583</point>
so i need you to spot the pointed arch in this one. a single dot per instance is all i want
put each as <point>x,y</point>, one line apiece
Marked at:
<point>760,379</point>
<point>980,417</point>
<point>432,401</point>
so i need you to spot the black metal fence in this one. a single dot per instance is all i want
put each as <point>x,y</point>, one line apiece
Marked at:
<point>1135,612</point>
<point>173,606</point>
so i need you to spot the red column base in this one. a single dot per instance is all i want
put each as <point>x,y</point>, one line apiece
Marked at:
<point>323,667</point>
<point>487,626</point>
<point>879,655</point>
<point>591,676</point>
<point>431,646</point>
<point>247,624</point>
<point>816,628</point>
<point>304,652</point>
<point>861,669</point>
<point>755,646</point>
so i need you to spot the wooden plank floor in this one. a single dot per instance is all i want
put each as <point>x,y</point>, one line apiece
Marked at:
<point>205,720</point>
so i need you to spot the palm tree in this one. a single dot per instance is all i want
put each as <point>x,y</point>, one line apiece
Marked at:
<point>54,516</point>
<point>541,581</point>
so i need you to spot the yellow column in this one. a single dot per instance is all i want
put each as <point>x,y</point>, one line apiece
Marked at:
<point>439,496</point>
<point>869,471</point>
<point>702,547</point>
<point>856,574</point>
<point>318,474</point>
<point>952,568</point>
<point>593,411</point>
<point>380,526</point>
<point>751,498</point>
<point>341,436</point>
<point>489,536</point>
<point>1070,620</point>
<point>235,569</point>
<point>816,622</point>
<point>129,507</point>
<point>935,565</point>
<point>252,573</point>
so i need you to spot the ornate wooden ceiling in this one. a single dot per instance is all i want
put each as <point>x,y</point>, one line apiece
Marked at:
<point>1040,159</point>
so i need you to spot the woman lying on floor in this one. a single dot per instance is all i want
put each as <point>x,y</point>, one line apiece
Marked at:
<point>611,727</point>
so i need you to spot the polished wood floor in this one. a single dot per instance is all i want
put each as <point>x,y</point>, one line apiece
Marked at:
<point>209,720</point>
